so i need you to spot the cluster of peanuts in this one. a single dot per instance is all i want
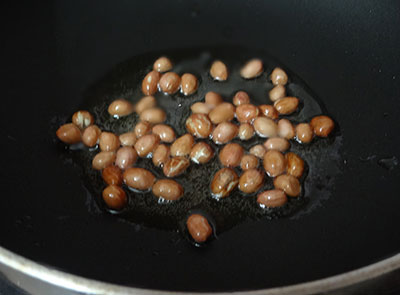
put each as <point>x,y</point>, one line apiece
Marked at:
<point>214,119</point>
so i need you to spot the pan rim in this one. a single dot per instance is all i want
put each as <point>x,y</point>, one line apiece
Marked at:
<point>76,283</point>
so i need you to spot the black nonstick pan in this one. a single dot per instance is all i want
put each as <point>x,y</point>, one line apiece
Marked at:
<point>56,52</point>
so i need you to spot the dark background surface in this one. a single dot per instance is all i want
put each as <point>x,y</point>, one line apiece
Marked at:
<point>346,51</point>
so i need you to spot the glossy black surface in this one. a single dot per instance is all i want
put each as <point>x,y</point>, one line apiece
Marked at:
<point>346,51</point>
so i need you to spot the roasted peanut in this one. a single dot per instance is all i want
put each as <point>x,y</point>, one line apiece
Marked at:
<point>182,145</point>
<point>231,155</point>
<point>289,184</point>
<point>139,178</point>
<point>103,160</point>
<point>82,119</point>
<point>90,136</point>
<point>128,138</point>
<point>165,132</point>
<point>142,128</point>
<point>246,113</point>
<point>258,151</point>
<point>274,163</point>
<point>145,145</point>
<point>224,182</point>
<point>167,189</point>
<point>225,111</point>
<point>286,105</point>
<point>277,143</point>
<point>175,166</point>
<point>249,162</point>
<point>126,157</point>
<point>304,133</point>
<point>219,71</point>
<point>285,129</point>
<point>150,82</point>
<point>252,69</point>
<point>153,115</point>
<point>240,98</point>
<point>277,93</point>
<point>160,155</point>
<point>199,125</point>
<point>162,64</point>
<point>112,175</point>
<point>201,108</point>
<point>322,125</point>
<point>269,111</point>
<point>189,84</point>
<point>199,228</point>
<point>108,142</point>
<point>146,102</point>
<point>69,133</point>
<point>120,108</point>
<point>201,153</point>
<point>251,181</point>
<point>279,77</point>
<point>272,198</point>
<point>246,131</point>
<point>295,165</point>
<point>213,99</point>
<point>265,127</point>
<point>114,197</point>
<point>224,132</point>
<point>170,82</point>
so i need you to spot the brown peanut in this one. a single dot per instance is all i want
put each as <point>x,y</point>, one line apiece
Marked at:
<point>145,145</point>
<point>286,129</point>
<point>170,82</point>
<point>126,157</point>
<point>269,111</point>
<point>108,142</point>
<point>82,119</point>
<point>201,108</point>
<point>277,143</point>
<point>114,197</point>
<point>286,105</point>
<point>295,165</point>
<point>274,163</point>
<point>199,228</point>
<point>304,133</point>
<point>219,71</point>
<point>69,133</point>
<point>112,175</point>
<point>91,135</point>
<point>199,125</point>
<point>142,128</point>
<point>153,115</point>
<point>252,69</point>
<point>246,113</point>
<point>165,132</point>
<point>182,145</point>
<point>189,84</point>
<point>277,93</point>
<point>162,64</point>
<point>175,166</point>
<point>213,99</point>
<point>139,178</point>
<point>251,181</point>
<point>231,155</point>
<point>168,189</point>
<point>224,132</point>
<point>322,125</point>
<point>246,131</point>
<point>265,127</point>
<point>289,184</point>
<point>146,102</point>
<point>279,77</point>
<point>241,97</point>
<point>225,111</point>
<point>201,153</point>
<point>258,151</point>
<point>224,182</point>
<point>103,160</point>
<point>128,138</point>
<point>120,108</point>
<point>150,82</point>
<point>272,198</point>
<point>249,162</point>
<point>160,155</point>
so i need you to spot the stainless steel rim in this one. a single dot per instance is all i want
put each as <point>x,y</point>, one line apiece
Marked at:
<point>88,286</point>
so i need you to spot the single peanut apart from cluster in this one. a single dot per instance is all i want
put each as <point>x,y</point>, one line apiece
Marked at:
<point>150,83</point>
<point>199,125</point>
<point>170,82</point>
<point>251,181</point>
<point>272,198</point>
<point>241,97</point>
<point>252,69</point>
<point>114,197</point>
<point>162,64</point>
<point>224,132</point>
<point>82,119</point>
<point>199,228</point>
<point>322,126</point>
<point>167,189</point>
<point>219,71</point>
<point>120,108</point>
<point>175,166</point>
<point>279,77</point>
<point>224,182</point>
<point>231,155</point>
<point>139,178</point>
<point>189,84</point>
<point>69,134</point>
<point>201,153</point>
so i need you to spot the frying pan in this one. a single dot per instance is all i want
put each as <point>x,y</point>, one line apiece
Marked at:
<point>346,51</point>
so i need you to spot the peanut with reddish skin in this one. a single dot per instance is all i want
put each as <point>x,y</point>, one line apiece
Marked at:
<point>265,127</point>
<point>189,84</point>
<point>246,131</point>
<point>199,125</point>
<point>165,132</point>
<point>213,99</point>
<point>175,166</point>
<point>304,133</point>
<point>150,83</point>
<point>114,197</point>
<point>219,71</point>
<point>246,113</point>
<point>322,126</point>
<point>231,155</point>
<point>199,228</point>
<point>286,105</point>
<point>69,134</point>
<point>272,198</point>
<point>160,155</point>
<point>225,111</point>
<point>249,162</point>
<point>258,151</point>
<point>109,142</point>
<point>289,184</point>
<point>120,108</point>
<point>146,102</point>
<point>286,129</point>
<point>82,119</point>
<point>279,77</point>
<point>162,64</point>
<point>295,165</point>
<point>224,132</point>
<point>112,175</point>
<point>167,189</point>
<point>201,153</point>
<point>126,157</point>
<point>91,135</point>
<point>252,69</point>
<point>251,181</point>
<point>170,82</point>
<point>277,93</point>
<point>145,145</point>
<point>277,143</point>
<point>201,108</point>
<point>224,182</point>
<point>142,128</point>
<point>182,145</point>
<point>274,163</point>
<point>269,111</point>
<point>240,98</point>
<point>128,139</point>
<point>153,115</point>
<point>103,160</point>
<point>139,178</point>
